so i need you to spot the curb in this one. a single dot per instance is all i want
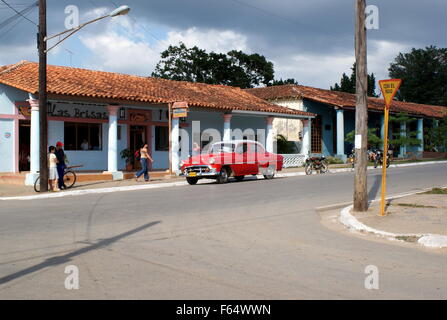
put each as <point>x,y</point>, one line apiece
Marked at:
<point>182,183</point>
<point>427,240</point>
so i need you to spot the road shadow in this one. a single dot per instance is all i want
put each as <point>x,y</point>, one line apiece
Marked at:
<point>54,261</point>
<point>372,194</point>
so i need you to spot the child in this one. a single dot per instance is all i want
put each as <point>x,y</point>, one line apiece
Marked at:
<point>52,169</point>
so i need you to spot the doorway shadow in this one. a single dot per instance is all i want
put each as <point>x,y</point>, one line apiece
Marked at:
<point>58,260</point>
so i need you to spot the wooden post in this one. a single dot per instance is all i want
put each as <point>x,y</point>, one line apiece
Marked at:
<point>43,109</point>
<point>361,111</point>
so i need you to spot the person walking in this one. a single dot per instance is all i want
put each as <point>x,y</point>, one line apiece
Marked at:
<point>60,155</point>
<point>144,157</point>
<point>52,169</point>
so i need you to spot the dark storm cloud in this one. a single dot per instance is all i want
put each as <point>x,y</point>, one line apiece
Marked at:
<point>274,28</point>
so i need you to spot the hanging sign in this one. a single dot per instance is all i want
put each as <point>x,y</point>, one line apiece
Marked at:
<point>180,109</point>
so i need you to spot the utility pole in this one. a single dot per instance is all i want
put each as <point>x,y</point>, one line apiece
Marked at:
<point>361,111</point>
<point>43,109</point>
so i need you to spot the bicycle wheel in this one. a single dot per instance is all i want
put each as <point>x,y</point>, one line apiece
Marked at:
<point>37,185</point>
<point>324,167</point>
<point>69,179</point>
<point>308,169</point>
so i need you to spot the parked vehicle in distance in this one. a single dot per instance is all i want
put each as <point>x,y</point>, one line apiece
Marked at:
<point>225,159</point>
<point>319,164</point>
<point>378,160</point>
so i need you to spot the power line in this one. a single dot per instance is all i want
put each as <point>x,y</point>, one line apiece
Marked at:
<point>22,13</point>
<point>19,13</point>
<point>13,25</point>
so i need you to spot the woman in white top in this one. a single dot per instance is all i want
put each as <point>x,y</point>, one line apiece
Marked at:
<point>52,169</point>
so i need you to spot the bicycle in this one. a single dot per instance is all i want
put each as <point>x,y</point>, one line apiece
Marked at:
<point>69,178</point>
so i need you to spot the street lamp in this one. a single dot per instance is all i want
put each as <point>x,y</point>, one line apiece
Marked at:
<point>120,11</point>
<point>43,111</point>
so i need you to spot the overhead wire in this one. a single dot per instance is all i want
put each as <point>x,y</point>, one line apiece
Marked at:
<point>16,16</point>
<point>19,13</point>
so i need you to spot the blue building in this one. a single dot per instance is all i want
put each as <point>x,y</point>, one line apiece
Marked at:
<point>336,118</point>
<point>98,114</point>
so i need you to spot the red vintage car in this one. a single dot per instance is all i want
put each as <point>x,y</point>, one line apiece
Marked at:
<point>226,159</point>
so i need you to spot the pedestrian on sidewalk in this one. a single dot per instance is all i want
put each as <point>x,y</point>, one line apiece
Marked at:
<point>60,154</point>
<point>144,157</point>
<point>52,169</point>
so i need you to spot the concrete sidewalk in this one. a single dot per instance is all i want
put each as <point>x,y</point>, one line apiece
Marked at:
<point>424,213</point>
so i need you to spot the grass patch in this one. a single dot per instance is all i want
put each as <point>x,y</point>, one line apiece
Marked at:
<point>412,205</point>
<point>412,239</point>
<point>437,191</point>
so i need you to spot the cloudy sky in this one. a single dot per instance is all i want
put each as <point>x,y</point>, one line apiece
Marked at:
<point>309,40</point>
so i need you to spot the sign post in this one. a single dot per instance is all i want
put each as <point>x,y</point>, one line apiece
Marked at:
<point>389,89</point>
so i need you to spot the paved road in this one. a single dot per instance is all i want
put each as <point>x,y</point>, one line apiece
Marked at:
<point>253,239</point>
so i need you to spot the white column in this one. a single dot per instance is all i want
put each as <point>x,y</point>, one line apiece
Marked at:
<point>269,135</point>
<point>340,133</point>
<point>34,143</point>
<point>175,132</point>
<point>306,143</point>
<point>420,135</point>
<point>382,129</point>
<point>227,127</point>
<point>403,133</point>
<point>112,155</point>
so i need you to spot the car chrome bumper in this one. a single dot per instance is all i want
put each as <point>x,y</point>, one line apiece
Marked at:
<point>199,172</point>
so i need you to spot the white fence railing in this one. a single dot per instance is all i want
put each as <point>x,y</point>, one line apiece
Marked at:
<point>293,160</point>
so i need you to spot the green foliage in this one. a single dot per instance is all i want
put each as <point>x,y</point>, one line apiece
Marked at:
<point>196,65</point>
<point>283,82</point>
<point>409,139</point>
<point>437,137</point>
<point>424,75</point>
<point>126,154</point>
<point>334,160</point>
<point>373,139</point>
<point>347,83</point>
<point>284,146</point>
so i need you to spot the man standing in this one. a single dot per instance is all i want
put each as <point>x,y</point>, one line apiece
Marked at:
<point>60,155</point>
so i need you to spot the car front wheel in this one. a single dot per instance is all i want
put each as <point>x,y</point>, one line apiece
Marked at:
<point>192,181</point>
<point>223,176</point>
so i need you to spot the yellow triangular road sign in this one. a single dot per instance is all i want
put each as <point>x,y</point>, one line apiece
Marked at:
<point>389,89</point>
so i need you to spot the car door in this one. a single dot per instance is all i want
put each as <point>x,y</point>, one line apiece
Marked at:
<point>240,158</point>
<point>251,158</point>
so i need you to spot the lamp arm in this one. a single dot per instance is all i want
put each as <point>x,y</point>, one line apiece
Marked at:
<point>73,30</point>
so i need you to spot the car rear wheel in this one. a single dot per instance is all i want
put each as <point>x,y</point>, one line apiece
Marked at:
<point>192,181</point>
<point>223,176</point>
<point>239,178</point>
<point>270,173</point>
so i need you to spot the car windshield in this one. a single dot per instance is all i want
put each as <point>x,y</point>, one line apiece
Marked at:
<point>222,148</point>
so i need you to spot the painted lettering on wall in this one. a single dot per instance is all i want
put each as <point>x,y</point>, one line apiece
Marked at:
<point>56,111</point>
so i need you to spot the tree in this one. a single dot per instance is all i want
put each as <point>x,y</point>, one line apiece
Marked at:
<point>373,140</point>
<point>437,137</point>
<point>347,83</point>
<point>234,68</point>
<point>424,75</point>
<point>409,139</point>
<point>282,82</point>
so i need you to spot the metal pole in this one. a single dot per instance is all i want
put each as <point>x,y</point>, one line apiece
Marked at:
<point>384,163</point>
<point>43,120</point>
<point>361,111</point>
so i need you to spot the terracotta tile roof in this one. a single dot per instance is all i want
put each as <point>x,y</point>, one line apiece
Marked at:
<point>112,87</point>
<point>344,100</point>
